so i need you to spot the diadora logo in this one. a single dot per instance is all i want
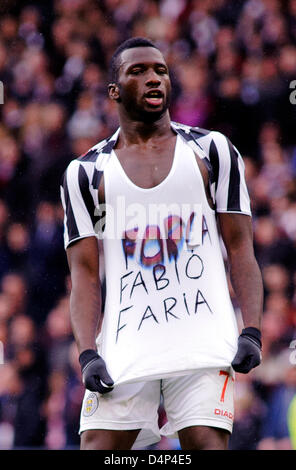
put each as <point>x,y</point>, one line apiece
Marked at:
<point>220,412</point>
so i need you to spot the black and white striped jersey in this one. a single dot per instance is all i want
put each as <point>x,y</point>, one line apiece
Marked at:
<point>79,189</point>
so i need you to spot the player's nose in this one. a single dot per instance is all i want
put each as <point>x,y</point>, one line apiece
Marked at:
<point>152,78</point>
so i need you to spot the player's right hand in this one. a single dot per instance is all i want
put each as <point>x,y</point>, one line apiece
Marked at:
<point>94,373</point>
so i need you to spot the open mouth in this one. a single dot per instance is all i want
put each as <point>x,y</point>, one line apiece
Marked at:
<point>154,97</point>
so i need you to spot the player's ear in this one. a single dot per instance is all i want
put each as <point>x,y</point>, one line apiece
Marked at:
<point>113,91</point>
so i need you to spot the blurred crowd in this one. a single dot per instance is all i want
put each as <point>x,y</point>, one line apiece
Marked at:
<point>232,66</point>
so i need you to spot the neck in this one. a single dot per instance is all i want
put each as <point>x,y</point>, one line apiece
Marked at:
<point>136,132</point>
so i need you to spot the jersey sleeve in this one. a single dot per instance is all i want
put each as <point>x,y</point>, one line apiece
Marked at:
<point>79,203</point>
<point>230,189</point>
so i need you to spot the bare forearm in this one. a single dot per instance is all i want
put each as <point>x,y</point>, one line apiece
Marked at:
<point>85,299</point>
<point>237,234</point>
<point>247,283</point>
<point>85,308</point>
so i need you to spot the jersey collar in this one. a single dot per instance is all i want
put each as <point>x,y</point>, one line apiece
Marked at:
<point>105,148</point>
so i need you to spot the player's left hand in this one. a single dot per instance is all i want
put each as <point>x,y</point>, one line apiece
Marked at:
<point>248,353</point>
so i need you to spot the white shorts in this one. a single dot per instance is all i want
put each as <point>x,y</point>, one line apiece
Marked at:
<point>202,399</point>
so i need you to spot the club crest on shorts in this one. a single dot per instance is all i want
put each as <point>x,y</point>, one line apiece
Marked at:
<point>90,405</point>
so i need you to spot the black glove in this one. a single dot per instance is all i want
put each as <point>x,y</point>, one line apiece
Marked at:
<point>94,373</point>
<point>249,351</point>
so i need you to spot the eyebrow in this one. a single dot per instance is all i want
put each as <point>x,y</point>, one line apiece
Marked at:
<point>143,64</point>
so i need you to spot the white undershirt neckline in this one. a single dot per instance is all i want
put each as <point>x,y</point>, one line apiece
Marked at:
<point>162,183</point>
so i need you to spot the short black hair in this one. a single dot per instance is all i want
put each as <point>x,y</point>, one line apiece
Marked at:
<point>128,44</point>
